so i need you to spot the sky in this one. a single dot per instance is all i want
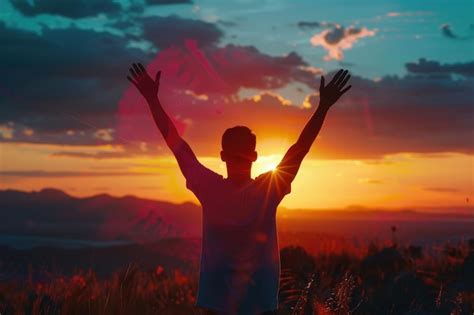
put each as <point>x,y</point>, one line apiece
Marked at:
<point>402,137</point>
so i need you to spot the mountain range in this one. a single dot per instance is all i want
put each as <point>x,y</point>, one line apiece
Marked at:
<point>52,213</point>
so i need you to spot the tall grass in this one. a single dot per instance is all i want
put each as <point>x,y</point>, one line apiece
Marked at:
<point>386,280</point>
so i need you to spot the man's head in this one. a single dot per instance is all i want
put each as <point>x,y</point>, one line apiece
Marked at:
<point>238,146</point>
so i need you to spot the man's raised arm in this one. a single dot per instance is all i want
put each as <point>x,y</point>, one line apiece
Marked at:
<point>329,94</point>
<point>149,89</point>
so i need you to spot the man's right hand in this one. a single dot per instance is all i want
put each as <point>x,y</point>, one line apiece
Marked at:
<point>143,82</point>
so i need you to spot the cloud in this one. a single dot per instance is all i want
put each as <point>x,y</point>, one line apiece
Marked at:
<point>99,155</point>
<point>339,38</point>
<point>28,132</point>
<point>394,14</point>
<point>104,134</point>
<point>75,100</point>
<point>7,131</point>
<point>39,173</point>
<point>164,32</point>
<point>226,69</point>
<point>311,100</point>
<point>373,120</point>
<point>71,8</point>
<point>272,99</point>
<point>442,189</point>
<point>369,181</point>
<point>379,117</point>
<point>164,2</point>
<point>408,13</point>
<point>68,84</point>
<point>314,24</point>
<point>447,31</point>
<point>430,67</point>
<point>306,24</point>
<point>63,83</point>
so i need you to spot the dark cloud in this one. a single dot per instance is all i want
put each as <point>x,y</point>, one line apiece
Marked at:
<point>71,8</point>
<point>408,114</point>
<point>396,114</point>
<point>227,69</point>
<point>314,24</point>
<point>305,24</point>
<point>65,84</point>
<point>164,2</point>
<point>430,67</point>
<point>447,31</point>
<point>335,35</point>
<point>62,80</point>
<point>68,86</point>
<point>122,24</point>
<point>245,66</point>
<point>164,32</point>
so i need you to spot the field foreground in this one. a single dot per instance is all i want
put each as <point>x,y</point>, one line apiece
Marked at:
<point>381,279</point>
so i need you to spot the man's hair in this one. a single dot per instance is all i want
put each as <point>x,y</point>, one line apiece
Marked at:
<point>238,139</point>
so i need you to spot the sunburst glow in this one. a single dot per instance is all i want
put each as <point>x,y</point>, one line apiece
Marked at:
<point>267,163</point>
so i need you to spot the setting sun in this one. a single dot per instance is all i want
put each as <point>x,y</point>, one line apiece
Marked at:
<point>267,163</point>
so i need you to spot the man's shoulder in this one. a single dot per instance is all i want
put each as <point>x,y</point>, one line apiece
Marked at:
<point>267,177</point>
<point>201,179</point>
<point>273,181</point>
<point>264,176</point>
<point>214,175</point>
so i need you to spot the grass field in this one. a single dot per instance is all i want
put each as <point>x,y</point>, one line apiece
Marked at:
<point>334,279</point>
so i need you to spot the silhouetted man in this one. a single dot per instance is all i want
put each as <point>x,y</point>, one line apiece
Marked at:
<point>240,261</point>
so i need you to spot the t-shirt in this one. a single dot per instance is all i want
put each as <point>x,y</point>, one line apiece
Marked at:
<point>240,261</point>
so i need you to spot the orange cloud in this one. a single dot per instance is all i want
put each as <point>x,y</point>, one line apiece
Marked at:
<point>7,131</point>
<point>270,97</point>
<point>337,39</point>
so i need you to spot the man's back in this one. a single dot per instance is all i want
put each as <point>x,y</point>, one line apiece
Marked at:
<point>240,262</point>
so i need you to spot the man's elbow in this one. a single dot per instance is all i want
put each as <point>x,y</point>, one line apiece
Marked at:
<point>299,150</point>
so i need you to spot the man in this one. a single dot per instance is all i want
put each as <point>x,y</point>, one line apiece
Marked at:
<point>240,261</point>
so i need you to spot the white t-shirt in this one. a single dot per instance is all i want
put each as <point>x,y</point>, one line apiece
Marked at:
<point>240,261</point>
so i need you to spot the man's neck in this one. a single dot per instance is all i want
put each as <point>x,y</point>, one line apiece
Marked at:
<point>239,177</point>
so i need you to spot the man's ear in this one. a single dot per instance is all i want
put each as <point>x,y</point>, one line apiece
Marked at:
<point>223,156</point>
<point>254,156</point>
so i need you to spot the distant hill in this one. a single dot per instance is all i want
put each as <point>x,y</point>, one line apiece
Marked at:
<point>51,213</point>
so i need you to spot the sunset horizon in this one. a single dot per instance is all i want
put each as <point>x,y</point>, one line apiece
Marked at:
<point>364,181</point>
<point>402,137</point>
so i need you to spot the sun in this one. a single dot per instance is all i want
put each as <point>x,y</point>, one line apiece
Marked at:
<point>267,163</point>
<point>271,166</point>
